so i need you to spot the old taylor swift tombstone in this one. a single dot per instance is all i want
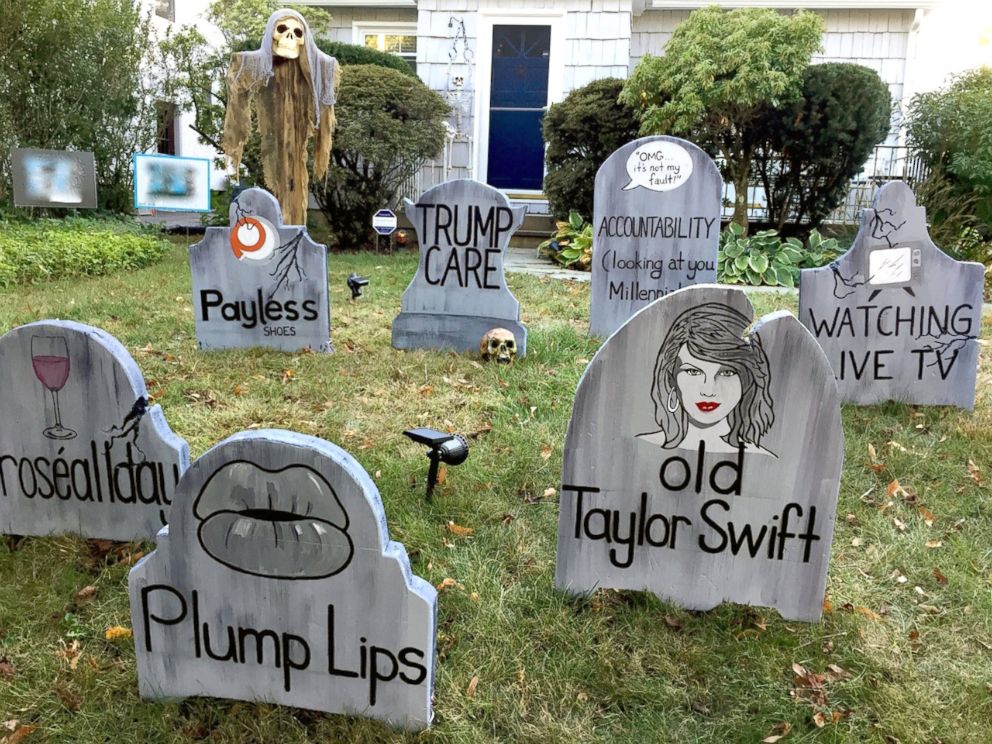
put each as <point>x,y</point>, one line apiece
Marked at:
<point>276,581</point>
<point>656,227</point>
<point>260,283</point>
<point>703,459</point>
<point>459,291</point>
<point>81,450</point>
<point>898,318</point>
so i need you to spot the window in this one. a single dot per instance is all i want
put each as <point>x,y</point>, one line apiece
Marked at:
<point>166,115</point>
<point>399,39</point>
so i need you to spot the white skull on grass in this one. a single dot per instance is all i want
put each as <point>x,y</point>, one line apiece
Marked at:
<point>287,38</point>
<point>498,344</point>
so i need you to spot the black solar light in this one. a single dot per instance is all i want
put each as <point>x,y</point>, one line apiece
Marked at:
<point>355,284</point>
<point>451,449</point>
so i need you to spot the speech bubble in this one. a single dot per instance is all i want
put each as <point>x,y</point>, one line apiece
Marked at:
<point>658,166</point>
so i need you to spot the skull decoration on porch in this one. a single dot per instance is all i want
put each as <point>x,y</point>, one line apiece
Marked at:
<point>287,38</point>
<point>498,344</point>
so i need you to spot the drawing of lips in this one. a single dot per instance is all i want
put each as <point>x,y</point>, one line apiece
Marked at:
<point>285,523</point>
<point>707,406</point>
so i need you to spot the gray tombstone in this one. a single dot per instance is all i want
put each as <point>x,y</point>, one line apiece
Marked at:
<point>53,178</point>
<point>81,451</point>
<point>459,291</point>
<point>897,317</point>
<point>703,459</point>
<point>276,581</point>
<point>656,226</point>
<point>259,282</point>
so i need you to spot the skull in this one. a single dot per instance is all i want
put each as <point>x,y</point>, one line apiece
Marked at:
<point>498,344</point>
<point>287,38</point>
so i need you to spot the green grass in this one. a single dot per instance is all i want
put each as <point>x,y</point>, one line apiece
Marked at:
<point>617,666</point>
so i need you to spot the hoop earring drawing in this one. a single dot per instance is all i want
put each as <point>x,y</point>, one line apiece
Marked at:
<point>673,401</point>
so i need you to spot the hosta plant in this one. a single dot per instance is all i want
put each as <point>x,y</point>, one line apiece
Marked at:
<point>571,243</point>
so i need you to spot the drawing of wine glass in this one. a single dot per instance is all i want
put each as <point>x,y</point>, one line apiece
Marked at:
<point>50,359</point>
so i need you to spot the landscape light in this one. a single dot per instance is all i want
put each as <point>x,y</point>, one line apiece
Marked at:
<point>451,449</point>
<point>355,284</point>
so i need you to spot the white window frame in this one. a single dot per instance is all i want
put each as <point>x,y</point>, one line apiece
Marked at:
<point>399,28</point>
<point>484,69</point>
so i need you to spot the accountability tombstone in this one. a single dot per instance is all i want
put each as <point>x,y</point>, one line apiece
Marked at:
<point>656,226</point>
<point>276,582</point>
<point>81,449</point>
<point>897,317</point>
<point>259,282</point>
<point>459,291</point>
<point>702,460</point>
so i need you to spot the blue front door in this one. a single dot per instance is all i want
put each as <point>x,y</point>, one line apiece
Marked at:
<point>517,101</point>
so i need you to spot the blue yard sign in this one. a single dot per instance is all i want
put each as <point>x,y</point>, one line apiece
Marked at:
<point>384,222</point>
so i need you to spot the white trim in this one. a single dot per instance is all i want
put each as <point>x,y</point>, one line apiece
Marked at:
<point>820,5</point>
<point>378,27</point>
<point>484,68</point>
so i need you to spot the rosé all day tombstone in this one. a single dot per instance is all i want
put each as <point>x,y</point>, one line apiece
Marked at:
<point>656,226</point>
<point>459,291</point>
<point>703,458</point>
<point>276,581</point>
<point>259,282</point>
<point>897,317</point>
<point>81,449</point>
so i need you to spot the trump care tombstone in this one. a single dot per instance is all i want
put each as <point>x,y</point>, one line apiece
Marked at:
<point>459,291</point>
<point>656,226</point>
<point>897,317</point>
<point>259,282</point>
<point>703,458</point>
<point>81,451</point>
<point>276,581</point>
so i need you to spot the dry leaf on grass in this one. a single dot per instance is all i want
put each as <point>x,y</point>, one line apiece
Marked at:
<point>85,594</point>
<point>19,732</point>
<point>7,670</point>
<point>117,632</point>
<point>779,731</point>
<point>70,653</point>
<point>550,493</point>
<point>458,531</point>
<point>974,472</point>
<point>470,690</point>
<point>446,584</point>
<point>941,579</point>
<point>673,622</point>
<point>545,451</point>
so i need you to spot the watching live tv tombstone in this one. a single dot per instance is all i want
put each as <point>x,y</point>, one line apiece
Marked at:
<point>81,451</point>
<point>656,227</point>
<point>459,291</point>
<point>276,582</point>
<point>898,318</point>
<point>701,465</point>
<point>259,282</point>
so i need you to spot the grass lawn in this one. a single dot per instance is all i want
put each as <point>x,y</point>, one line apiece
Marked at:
<point>903,653</point>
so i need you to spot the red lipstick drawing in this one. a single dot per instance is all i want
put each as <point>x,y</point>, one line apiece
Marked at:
<point>707,406</point>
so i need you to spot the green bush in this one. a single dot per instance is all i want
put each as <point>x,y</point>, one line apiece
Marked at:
<point>571,243</point>
<point>811,148</point>
<point>581,132</point>
<point>951,129</point>
<point>389,125</point>
<point>353,54</point>
<point>51,249</point>
<point>765,259</point>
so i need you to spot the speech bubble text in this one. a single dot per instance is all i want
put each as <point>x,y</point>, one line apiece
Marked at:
<point>658,166</point>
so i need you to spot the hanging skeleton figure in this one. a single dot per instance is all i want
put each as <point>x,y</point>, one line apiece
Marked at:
<point>293,86</point>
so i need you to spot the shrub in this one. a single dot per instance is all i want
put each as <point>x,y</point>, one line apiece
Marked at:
<point>51,249</point>
<point>764,258</point>
<point>353,54</point>
<point>951,130</point>
<point>581,132</point>
<point>811,148</point>
<point>72,77</point>
<point>388,126</point>
<point>571,244</point>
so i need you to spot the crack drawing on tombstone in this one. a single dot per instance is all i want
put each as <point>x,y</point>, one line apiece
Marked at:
<point>289,260</point>
<point>882,228</point>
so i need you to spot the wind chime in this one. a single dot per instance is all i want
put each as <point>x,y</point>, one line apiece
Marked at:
<point>459,90</point>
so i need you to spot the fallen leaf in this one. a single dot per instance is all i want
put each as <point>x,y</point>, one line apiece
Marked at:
<point>819,719</point>
<point>545,451</point>
<point>673,622</point>
<point>240,390</point>
<point>506,519</point>
<point>934,544</point>
<point>85,594</point>
<point>900,525</point>
<point>941,579</point>
<point>550,493</point>
<point>470,690</point>
<point>287,375</point>
<point>458,531</point>
<point>70,653</point>
<point>116,632</point>
<point>895,489</point>
<point>927,515</point>
<point>446,584</point>
<point>69,697</point>
<point>974,472</point>
<point>20,733</point>
<point>7,670</point>
<point>779,731</point>
<point>426,390</point>
<point>442,474</point>
<point>871,615</point>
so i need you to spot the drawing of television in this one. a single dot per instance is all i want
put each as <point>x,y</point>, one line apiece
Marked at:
<point>894,266</point>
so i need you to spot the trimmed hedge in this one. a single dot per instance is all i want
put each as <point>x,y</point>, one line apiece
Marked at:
<point>53,249</point>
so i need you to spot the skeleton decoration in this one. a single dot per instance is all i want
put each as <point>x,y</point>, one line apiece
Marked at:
<point>293,86</point>
<point>498,344</point>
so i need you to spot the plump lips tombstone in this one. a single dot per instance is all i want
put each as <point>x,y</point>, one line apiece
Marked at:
<point>285,524</point>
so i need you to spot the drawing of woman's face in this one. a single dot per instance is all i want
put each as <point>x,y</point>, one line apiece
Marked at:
<point>708,391</point>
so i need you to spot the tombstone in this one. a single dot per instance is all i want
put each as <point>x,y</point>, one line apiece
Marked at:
<point>656,226</point>
<point>81,451</point>
<point>459,291</point>
<point>701,465</point>
<point>276,581</point>
<point>897,317</point>
<point>53,178</point>
<point>259,282</point>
